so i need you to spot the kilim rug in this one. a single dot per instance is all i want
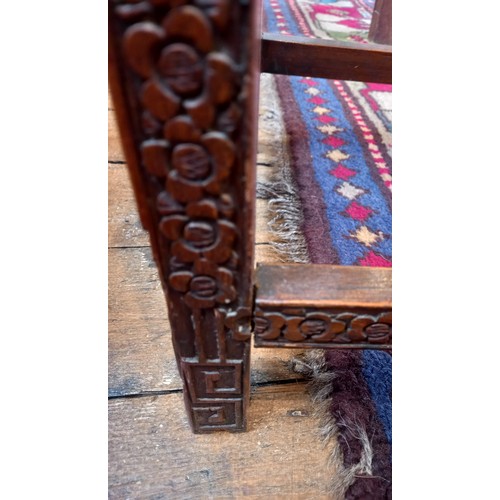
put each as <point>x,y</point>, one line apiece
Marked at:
<point>329,143</point>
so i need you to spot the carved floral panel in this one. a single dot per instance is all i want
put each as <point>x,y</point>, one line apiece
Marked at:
<point>190,93</point>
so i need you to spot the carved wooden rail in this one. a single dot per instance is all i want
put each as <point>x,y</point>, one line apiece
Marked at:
<point>322,306</point>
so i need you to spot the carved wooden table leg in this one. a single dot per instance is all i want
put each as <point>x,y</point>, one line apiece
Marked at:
<point>185,90</point>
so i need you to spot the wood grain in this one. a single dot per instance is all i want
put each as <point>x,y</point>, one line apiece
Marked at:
<point>124,225</point>
<point>294,55</point>
<point>115,150</point>
<point>141,358</point>
<point>323,286</point>
<point>154,455</point>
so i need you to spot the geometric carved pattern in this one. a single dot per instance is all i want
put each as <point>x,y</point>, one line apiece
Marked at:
<point>220,416</point>
<point>218,381</point>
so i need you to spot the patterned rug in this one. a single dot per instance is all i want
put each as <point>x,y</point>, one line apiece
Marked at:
<point>331,203</point>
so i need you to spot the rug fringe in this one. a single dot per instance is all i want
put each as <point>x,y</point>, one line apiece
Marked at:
<point>286,218</point>
<point>279,189</point>
<point>312,365</point>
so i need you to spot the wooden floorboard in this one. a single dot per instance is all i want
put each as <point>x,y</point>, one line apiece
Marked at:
<point>124,225</point>
<point>154,455</point>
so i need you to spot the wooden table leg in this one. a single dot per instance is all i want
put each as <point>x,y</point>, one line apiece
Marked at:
<point>184,80</point>
<point>381,23</point>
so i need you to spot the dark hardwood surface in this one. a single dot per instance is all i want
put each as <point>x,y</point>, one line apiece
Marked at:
<point>294,55</point>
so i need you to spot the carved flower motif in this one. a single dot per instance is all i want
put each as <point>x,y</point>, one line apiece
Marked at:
<point>317,327</point>
<point>182,72</point>
<point>194,167</point>
<point>376,330</point>
<point>200,168</point>
<point>267,326</point>
<point>207,286</point>
<point>199,233</point>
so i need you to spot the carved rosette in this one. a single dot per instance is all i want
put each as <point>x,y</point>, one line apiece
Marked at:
<point>314,327</point>
<point>189,92</point>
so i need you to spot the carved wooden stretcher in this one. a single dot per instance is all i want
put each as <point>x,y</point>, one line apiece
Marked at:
<point>184,78</point>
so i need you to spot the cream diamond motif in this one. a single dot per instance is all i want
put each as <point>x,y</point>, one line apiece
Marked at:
<point>329,129</point>
<point>313,91</point>
<point>367,237</point>
<point>349,191</point>
<point>336,155</point>
<point>320,110</point>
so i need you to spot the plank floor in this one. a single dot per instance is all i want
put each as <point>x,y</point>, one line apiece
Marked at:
<point>152,452</point>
